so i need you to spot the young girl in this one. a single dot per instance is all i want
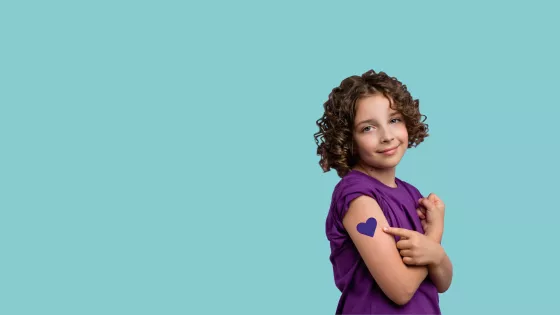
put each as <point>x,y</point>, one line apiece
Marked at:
<point>384,236</point>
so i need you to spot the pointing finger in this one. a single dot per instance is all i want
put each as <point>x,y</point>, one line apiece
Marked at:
<point>398,231</point>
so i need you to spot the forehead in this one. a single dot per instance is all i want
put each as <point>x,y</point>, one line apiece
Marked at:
<point>374,106</point>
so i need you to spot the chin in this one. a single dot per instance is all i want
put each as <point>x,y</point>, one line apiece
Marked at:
<point>387,166</point>
<point>390,163</point>
<point>384,165</point>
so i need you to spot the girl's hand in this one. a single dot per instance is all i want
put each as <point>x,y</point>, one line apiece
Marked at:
<point>431,212</point>
<point>416,248</point>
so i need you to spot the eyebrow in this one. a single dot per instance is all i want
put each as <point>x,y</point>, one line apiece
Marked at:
<point>371,120</point>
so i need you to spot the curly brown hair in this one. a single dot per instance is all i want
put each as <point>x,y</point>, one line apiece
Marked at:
<point>334,139</point>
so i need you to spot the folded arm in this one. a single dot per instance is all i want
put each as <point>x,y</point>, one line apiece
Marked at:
<point>397,280</point>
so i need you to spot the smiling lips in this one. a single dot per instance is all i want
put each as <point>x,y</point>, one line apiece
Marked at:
<point>390,151</point>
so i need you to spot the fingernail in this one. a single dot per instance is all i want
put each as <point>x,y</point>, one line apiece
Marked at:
<point>385,229</point>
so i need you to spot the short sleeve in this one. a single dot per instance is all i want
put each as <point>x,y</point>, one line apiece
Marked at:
<point>350,189</point>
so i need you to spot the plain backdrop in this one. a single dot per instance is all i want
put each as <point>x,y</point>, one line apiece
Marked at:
<point>157,157</point>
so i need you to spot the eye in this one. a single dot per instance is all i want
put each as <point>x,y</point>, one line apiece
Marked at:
<point>396,120</point>
<point>366,129</point>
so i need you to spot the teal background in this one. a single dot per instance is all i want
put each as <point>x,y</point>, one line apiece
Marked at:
<point>157,157</point>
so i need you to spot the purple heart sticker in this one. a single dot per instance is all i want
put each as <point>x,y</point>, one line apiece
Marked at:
<point>368,227</point>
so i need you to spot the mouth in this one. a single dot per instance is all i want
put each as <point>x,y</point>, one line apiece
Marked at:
<point>390,150</point>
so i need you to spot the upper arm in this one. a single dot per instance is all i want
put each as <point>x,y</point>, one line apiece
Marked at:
<point>380,254</point>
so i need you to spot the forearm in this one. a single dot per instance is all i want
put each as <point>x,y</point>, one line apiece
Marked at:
<point>416,275</point>
<point>407,282</point>
<point>441,274</point>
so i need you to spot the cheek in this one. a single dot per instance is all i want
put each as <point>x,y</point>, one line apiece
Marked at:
<point>402,132</point>
<point>364,144</point>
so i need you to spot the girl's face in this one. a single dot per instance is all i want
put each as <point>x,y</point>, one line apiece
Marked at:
<point>380,133</point>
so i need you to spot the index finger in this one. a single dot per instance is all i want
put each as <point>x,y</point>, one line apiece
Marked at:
<point>398,231</point>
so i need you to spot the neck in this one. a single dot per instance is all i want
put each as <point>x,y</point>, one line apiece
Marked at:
<point>386,176</point>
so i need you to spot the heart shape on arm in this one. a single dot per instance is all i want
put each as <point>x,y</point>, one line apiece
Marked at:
<point>368,227</point>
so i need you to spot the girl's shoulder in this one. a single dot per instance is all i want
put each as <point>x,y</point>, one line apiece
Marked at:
<point>352,181</point>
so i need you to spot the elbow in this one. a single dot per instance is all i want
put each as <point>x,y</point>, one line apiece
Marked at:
<point>402,295</point>
<point>401,301</point>
<point>399,290</point>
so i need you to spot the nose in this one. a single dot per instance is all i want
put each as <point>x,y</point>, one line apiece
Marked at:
<point>387,135</point>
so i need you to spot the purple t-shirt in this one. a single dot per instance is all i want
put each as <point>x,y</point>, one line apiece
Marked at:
<point>360,292</point>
